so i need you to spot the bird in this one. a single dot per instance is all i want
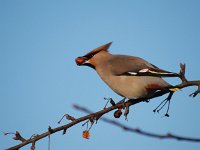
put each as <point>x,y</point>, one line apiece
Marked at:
<point>129,76</point>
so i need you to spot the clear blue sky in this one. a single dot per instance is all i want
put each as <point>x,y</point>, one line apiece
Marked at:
<point>39,80</point>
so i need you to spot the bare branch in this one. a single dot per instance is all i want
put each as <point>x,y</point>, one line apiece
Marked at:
<point>64,127</point>
<point>96,116</point>
<point>139,131</point>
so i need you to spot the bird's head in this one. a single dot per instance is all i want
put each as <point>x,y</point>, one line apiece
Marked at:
<point>89,58</point>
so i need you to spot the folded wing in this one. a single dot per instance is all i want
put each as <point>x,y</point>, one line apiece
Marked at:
<point>135,66</point>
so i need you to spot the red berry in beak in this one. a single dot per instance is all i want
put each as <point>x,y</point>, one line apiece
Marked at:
<point>80,60</point>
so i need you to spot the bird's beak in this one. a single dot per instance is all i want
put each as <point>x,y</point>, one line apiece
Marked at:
<point>81,60</point>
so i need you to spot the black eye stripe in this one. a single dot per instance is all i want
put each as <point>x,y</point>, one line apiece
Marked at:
<point>89,56</point>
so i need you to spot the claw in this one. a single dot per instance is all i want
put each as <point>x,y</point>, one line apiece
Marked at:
<point>166,115</point>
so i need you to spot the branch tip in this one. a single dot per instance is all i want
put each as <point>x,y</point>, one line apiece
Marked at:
<point>68,117</point>
<point>64,131</point>
<point>50,130</point>
<point>112,102</point>
<point>19,137</point>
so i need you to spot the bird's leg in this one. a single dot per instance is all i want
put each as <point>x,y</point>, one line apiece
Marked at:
<point>168,99</point>
<point>163,103</point>
<point>123,102</point>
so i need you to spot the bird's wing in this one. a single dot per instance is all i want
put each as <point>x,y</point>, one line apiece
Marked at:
<point>135,66</point>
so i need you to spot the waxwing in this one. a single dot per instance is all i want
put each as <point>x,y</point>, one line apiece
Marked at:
<point>129,76</point>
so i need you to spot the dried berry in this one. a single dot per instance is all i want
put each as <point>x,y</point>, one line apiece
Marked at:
<point>86,134</point>
<point>117,113</point>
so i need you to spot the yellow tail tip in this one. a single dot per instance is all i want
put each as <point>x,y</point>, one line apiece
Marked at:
<point>174,89</point>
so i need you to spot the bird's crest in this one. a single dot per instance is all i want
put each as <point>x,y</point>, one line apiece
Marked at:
<point>104,47</point>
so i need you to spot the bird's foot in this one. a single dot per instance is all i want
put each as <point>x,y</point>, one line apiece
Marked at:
<point>126,107</point>
<point>163,103</point>
<point>123,102</point>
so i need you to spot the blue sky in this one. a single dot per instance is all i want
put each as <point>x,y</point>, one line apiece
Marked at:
<point>40,80</point>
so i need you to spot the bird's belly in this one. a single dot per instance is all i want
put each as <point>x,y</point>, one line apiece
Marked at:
<point>128,87</point>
